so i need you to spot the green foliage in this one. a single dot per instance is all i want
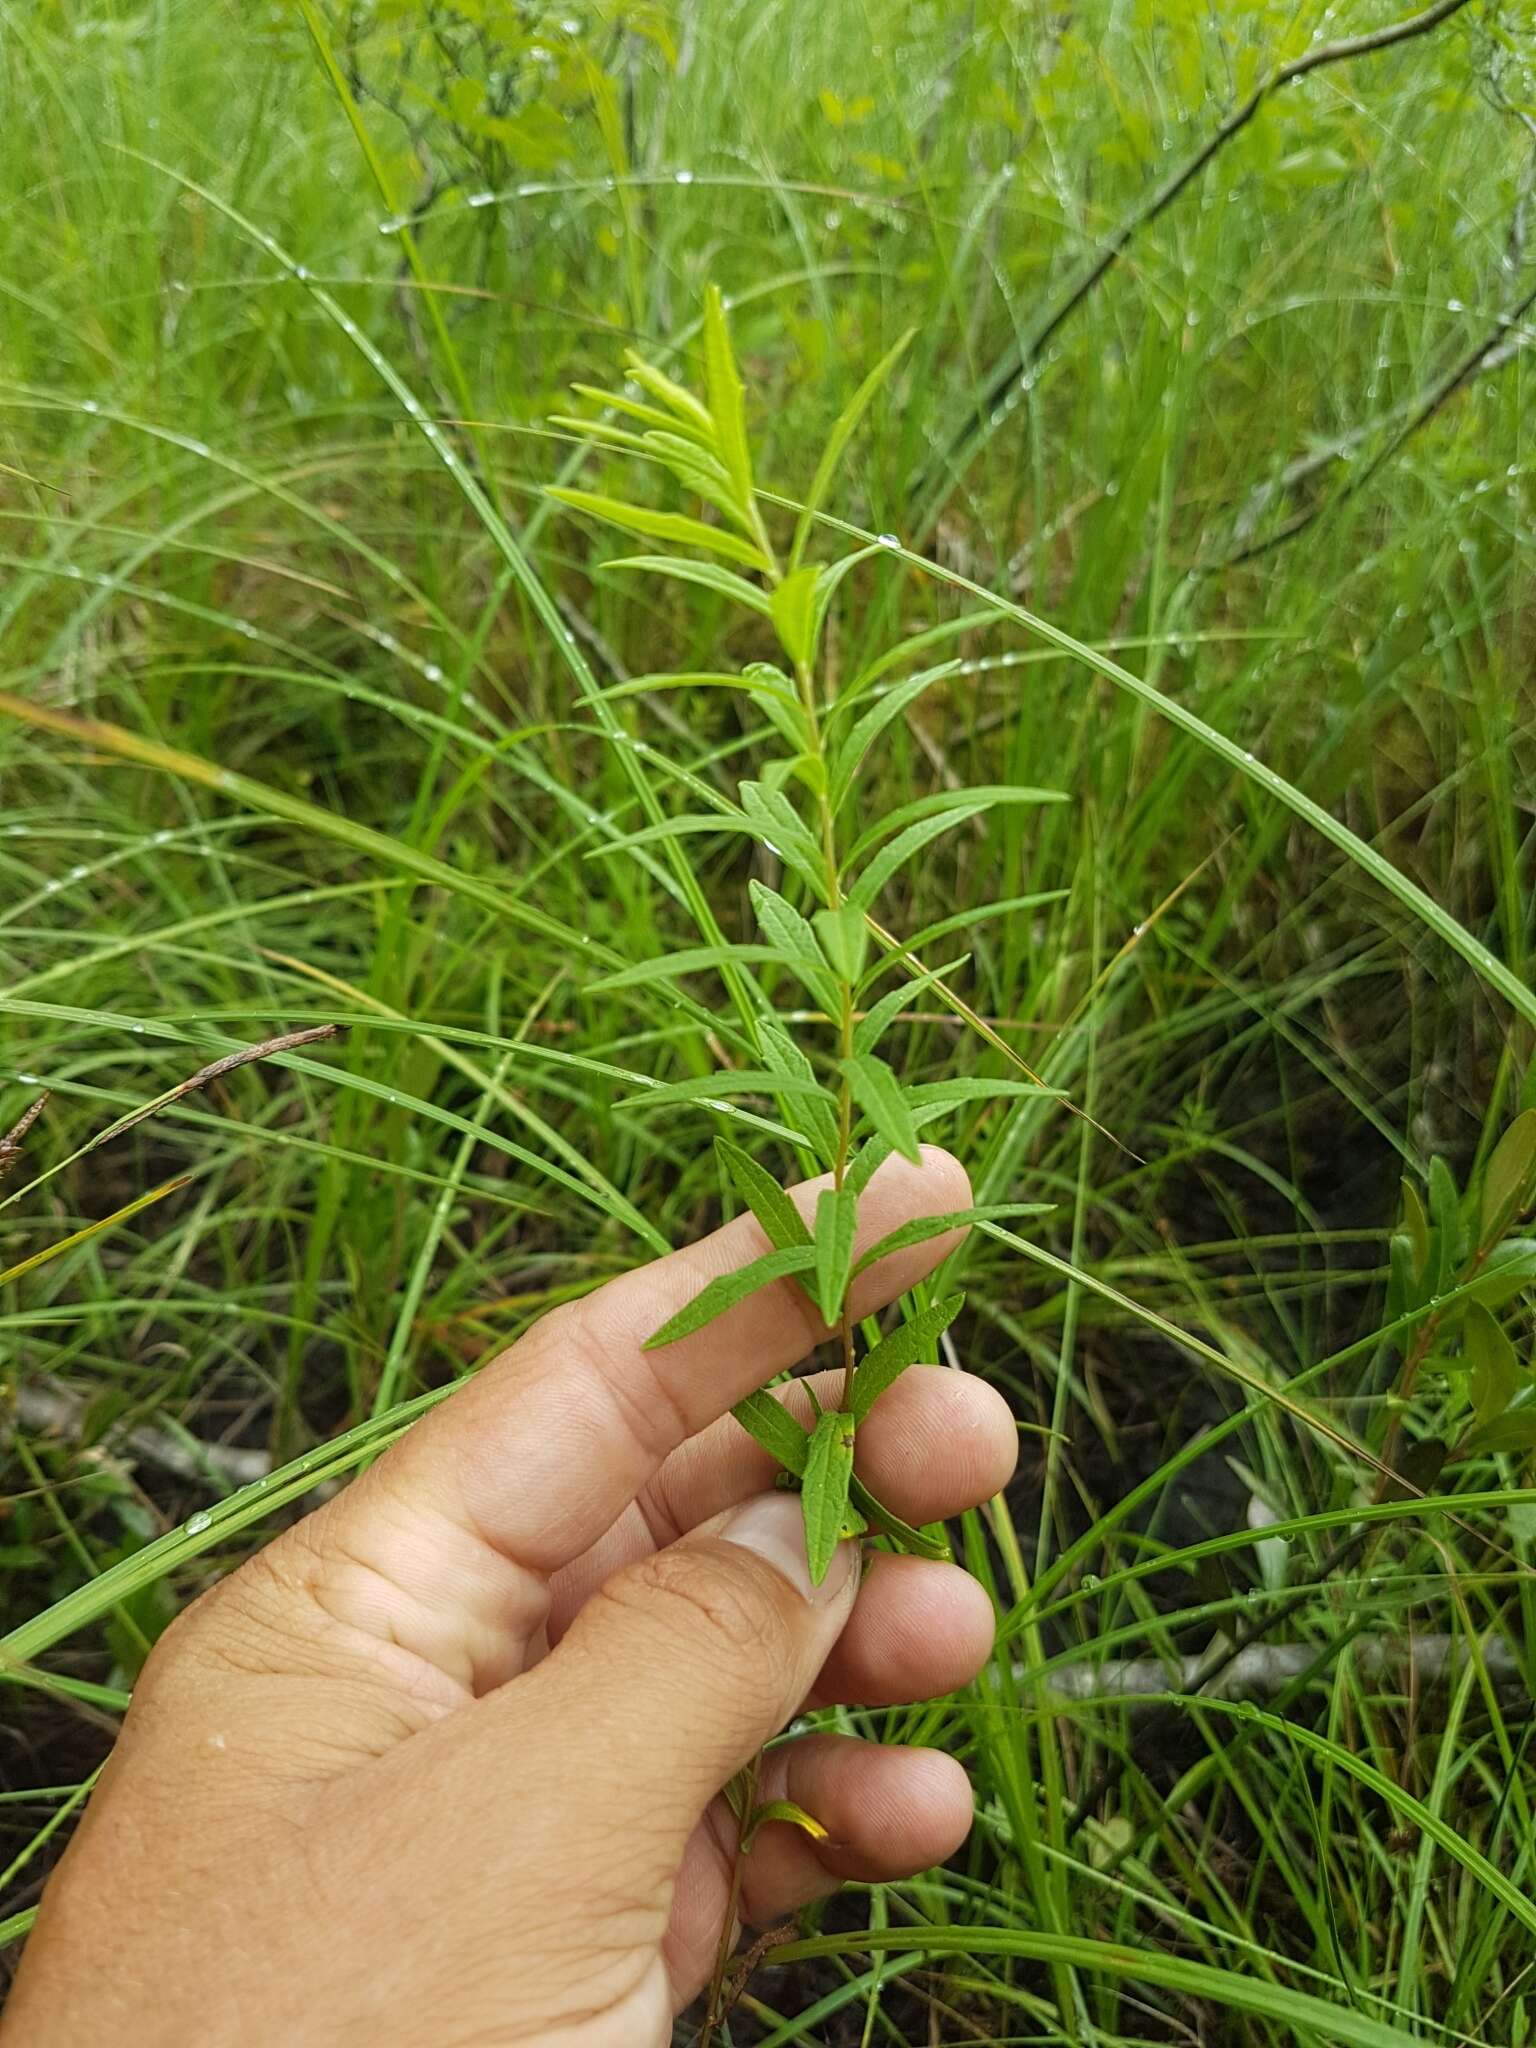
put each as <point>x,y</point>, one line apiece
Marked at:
<point>384,740</point>
<point>824,1488</point>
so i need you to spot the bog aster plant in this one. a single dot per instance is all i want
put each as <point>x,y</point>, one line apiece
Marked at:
<point>842,1101</point>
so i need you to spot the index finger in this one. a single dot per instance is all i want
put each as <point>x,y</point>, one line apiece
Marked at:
<point>554,1439</point>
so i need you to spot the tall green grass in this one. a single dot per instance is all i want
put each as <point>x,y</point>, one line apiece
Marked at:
<point>273,520</point>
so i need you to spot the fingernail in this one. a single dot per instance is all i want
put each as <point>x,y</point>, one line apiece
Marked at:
<point>773,1528</point>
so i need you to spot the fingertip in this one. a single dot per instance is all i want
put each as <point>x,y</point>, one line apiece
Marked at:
<point>937,1184</point>
<point>898,1811</point>
<point>938,1442</point>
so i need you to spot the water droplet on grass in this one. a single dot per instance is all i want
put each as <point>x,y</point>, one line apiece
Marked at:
<point>481,199</point>
<point>432,672</point>
<point>1454,306</point>
<point>683,177</point>
<point>301,273</point>
<point>89,405</point>
<point>888,540</point>
<point>197,1523</point>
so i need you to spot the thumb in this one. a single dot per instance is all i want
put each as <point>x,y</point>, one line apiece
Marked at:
<point>677,1671</point>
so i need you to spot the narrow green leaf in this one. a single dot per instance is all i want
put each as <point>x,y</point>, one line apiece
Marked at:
<point>878,1093</point>
<point>680,827</point>
<point>784,1810</point>
<point>694,960</point>
<point>916,1542</point>
<point>1416,1226</point>
<point>1495,1370</point>
<point>678,400</point>
<point>922,1228</point>
<point>620,401</point>
<point>793,609</point>
<point>867,1162</point>
<point>915,1340</point>
<point>837,1216</point>
<point>1514,1430</point>
<point>850,751</point>
<point>1445,1209</point>
<point>844,936</point>
<point>843,430</point>
<point>709,574</point>
<point>675,527</point>
<point>808,1109</point>
<point>730,1288</point>
<point>790,934</point>
<point>1511,1177</point>
<point>722,1086</point>
<point>768,1422</point>
<point>824,1489</point>
<point>756,1186</point>
<point>784,832</point>
<point>726,404</point>
<point>1508,1271</point>
<point>984,796</point>
<point>872,1027</point>
<point>778,699</point>
<point>893,857</point>
<point>973,1088</point>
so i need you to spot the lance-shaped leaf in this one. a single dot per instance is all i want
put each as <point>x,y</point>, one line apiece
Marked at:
<point>1510,1181</point>
<point>1514,1430</point>
<point>729,1288</point>
<point>686,410</point>
<point>709,574</point>
<point>879,1018</point>
<point>693,960</point>
<point>878,1093</point>
<point>922,1228</point>
<point>793,610</point>
<point>1495,1370</point>
<point>726,405</point>
<point>867,1162</point>
<point>675,527</point>
<point>843,428</point>
<point>946,803</point>
<point>808,1108</point>
<point>769,1423</point>
<point>785,929</point>
<point>1445,1208</point>
<point>837,1217</point>
<point>720,1087</point>
<point>916,1542</point>
<point>844,937</point>
<point>783,831</point>
<point>891,859</point>
<point>824,1489</point>
<point>973,1088</point>
<point>1416,1229</point>
<point>916,1340</point>
<point>780,1219</point>
<point>851,750</point>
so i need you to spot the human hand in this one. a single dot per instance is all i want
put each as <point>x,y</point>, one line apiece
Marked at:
<point>440,1766</point>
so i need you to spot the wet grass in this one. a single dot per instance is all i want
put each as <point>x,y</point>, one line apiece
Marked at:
<point>341,772</point>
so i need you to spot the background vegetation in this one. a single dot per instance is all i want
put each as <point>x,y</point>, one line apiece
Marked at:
<point>262,269</point>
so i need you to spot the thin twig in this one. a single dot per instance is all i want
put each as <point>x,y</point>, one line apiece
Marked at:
<point>11,1143</point>
<point>1010,380</point>
<point>288,1041</point>
<point>1500,345</point>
